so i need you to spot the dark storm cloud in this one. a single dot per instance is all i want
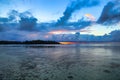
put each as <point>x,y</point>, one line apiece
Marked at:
<point>24,21</point>
<point>27,21</point>
<point>3,23</point>
<point>1,28</point>
<point>115,35</point>
<point>8,26</point>
<point>28,24</point>
<point>80,24</point>
<point>110,13</point>
<point>3,20</point>
<point>75,5</point>
<point>25,14</point>
<point>13,15</point>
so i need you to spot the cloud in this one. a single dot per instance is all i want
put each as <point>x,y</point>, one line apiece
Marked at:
<point>111,13</point>
<point>26,20</point>
<point>24,26</point>
<point>47,27</point>
<point>25,14</point>
<point>18,35</point>
<point>80,24</point>
<point>4,23</point>
<point>115,35</point>
<point>74,6</point>
<point>28,24</point>
<point>4,20</point>
<point>23,20</point>
<point>1,28</point>
<point>10,22</point>
<point>13,16</point>
<point>90,17</point>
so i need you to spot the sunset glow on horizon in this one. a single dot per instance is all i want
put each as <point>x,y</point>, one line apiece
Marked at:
<point>65,43</point>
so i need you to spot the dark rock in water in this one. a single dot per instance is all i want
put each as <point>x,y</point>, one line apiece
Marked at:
<point>70,77</point>
<point>107,71</point>
<point>1,76</point>
<point>31,66</point>
<point>114,65</point>
<point>46,79</point>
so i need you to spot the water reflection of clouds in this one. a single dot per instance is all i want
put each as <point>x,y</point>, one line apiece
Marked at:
<point>101,51</point>
<point>80,61</point>
<point>77,51</point>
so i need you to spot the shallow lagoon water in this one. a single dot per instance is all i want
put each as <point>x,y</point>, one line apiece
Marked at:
<point>93,61</point>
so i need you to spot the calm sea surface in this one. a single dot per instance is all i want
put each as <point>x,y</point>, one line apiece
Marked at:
<point>98,61</point>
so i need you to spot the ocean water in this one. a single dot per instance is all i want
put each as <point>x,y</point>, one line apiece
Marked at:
<point>93,61</point>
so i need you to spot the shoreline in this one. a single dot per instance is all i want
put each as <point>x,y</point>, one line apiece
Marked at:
<point>55,42</point>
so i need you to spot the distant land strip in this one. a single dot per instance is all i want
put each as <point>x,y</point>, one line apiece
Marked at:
<point>53,42</point>
<point>29,42</point>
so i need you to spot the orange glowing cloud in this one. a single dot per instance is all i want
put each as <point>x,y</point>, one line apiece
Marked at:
<point>60,32</point>
<point>67,43</point>
<point>57,32</point>
<point>91,17</point>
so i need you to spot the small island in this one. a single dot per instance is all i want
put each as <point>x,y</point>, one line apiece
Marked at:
<point>29,42</point>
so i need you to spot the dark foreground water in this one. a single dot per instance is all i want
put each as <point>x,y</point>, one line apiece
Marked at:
<point>60,62</point>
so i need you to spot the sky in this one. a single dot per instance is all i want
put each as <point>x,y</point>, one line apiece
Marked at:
<point>40,19</point>
<point>48,10</point>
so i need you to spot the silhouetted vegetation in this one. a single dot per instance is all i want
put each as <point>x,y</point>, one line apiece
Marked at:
<point>29,42</point>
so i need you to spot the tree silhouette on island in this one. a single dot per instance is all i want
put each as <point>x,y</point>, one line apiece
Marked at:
<point>29,42</point>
